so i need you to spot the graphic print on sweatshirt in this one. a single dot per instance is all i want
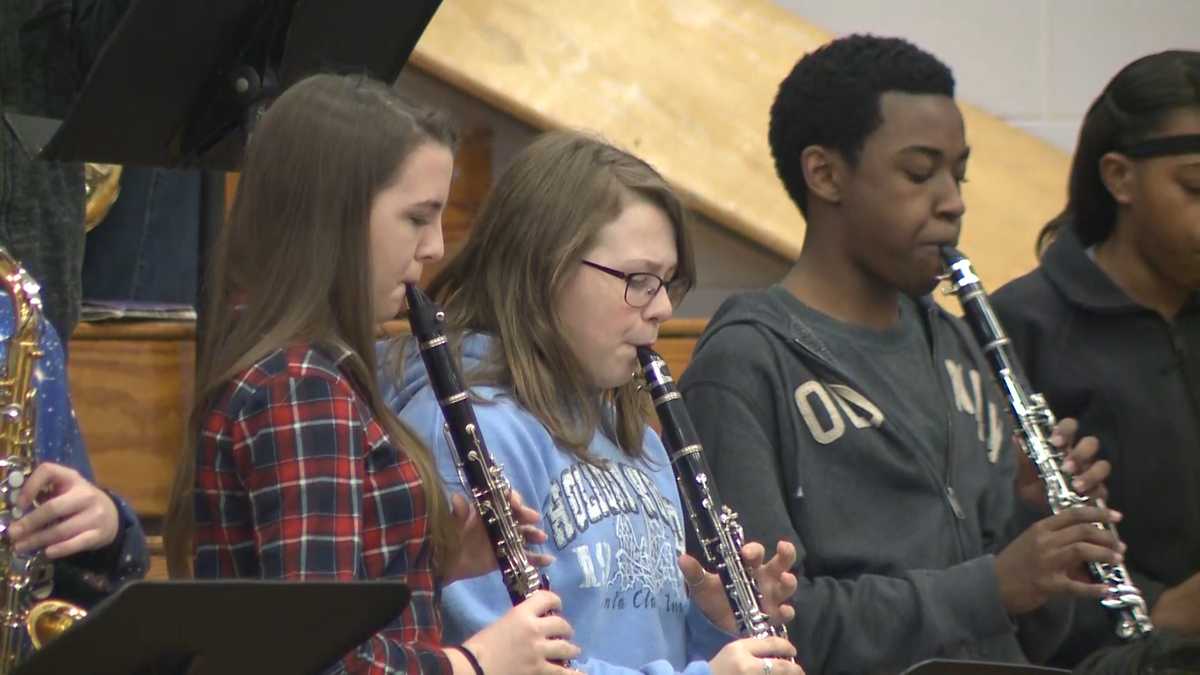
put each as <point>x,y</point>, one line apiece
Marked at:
<point>831,410</point>
<point>632,555</point>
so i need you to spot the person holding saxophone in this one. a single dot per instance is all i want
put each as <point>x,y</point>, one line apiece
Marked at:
<point>51,511</point>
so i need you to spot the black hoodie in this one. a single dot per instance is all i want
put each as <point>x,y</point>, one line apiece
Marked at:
<point>895,543</point>
<point>1133,380</point>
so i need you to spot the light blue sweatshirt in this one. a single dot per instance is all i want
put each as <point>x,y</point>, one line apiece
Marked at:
<point>616,533</point>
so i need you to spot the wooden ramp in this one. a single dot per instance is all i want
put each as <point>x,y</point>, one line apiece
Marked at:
<point>688,85</point>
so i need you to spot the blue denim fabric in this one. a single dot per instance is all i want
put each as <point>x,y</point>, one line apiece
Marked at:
<point>146,248</point>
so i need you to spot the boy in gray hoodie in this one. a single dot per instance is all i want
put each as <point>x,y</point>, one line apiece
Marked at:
<point>845,412</point>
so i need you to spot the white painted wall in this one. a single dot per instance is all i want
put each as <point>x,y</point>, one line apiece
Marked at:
<point>1035,63</point>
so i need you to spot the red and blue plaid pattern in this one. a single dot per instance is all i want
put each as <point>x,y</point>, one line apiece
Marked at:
<point>296,480</point>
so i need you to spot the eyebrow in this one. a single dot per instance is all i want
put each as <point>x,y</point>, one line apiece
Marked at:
<point>934,153</point>
<point>654,266</point>
<point>430,204</point>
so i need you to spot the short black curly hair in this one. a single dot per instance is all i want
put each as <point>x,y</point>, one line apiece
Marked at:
<point>831,99</point>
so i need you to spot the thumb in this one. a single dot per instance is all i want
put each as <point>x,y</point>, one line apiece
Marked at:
<point>693,572</point>
<point>460,510</point>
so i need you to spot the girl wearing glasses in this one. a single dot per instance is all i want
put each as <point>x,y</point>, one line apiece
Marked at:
<point>577,257</point>
<point>1108,326</point>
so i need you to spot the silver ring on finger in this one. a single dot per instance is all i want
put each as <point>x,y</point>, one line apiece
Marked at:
<point>767,665</point>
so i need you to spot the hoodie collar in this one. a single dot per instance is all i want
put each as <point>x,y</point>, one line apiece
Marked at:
<point>413,378</point>
<point>1082,282</point>
<point>772,310</point>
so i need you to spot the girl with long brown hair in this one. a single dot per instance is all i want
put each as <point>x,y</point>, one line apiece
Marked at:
<point>298,470</point>
<point>577,257</point>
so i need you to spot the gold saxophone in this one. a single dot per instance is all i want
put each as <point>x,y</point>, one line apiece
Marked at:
<point>101,186</point>
<point>26,578</point>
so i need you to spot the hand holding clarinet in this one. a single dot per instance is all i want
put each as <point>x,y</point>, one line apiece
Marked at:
<point>509,524</point>
<point>1041,561</point>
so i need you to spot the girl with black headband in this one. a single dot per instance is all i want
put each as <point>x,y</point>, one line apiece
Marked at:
<point>1108,326</point>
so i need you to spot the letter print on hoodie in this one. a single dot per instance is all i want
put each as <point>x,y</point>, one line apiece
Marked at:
<point>829,410</point>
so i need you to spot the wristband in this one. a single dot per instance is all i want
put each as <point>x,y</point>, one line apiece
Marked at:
<point>462,649</point>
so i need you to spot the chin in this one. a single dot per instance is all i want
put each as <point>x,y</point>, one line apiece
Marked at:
<point>924,280</point>
<point>616,383</point>
<point>916,287</point>
<point>389,311</point>
<point>923,289</point>
<point>617,379</point>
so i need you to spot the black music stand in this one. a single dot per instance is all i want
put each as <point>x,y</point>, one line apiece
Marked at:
<point>221,628</point>
<point>179,83</point>
<point>949,667</point>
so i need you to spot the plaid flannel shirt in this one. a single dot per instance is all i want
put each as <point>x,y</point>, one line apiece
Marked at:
<point>296,480</point>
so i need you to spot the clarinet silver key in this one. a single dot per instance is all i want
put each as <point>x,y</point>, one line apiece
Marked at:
<point>1034,425</point>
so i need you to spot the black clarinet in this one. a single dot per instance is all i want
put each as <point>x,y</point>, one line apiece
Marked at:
<point>1034,425</point>
<point>481,475</point>
<point>715,525</point>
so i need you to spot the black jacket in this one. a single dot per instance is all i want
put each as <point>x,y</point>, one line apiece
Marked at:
<point>1133,380</point>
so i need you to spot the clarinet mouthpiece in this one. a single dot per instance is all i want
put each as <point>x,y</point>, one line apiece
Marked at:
<point>951,254</point>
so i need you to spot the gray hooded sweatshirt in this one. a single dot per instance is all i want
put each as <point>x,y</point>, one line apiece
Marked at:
<point>886,458</point>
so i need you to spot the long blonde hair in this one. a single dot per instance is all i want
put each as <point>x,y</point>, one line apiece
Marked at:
<point>295,255</point>
<point>543,214</point>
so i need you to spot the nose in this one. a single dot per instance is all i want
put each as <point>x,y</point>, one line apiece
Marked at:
<point>430,247</point>
<point>950,205</point>
<point>659,309</point>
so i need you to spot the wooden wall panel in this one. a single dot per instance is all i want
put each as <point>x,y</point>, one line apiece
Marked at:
<point>676,340</point>
<point>132,388</point>
<point>132,383</point>
<point>472,180</point>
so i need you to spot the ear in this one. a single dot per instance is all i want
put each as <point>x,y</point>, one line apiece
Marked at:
<point>822,172</point>
<point>1117,174</point>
